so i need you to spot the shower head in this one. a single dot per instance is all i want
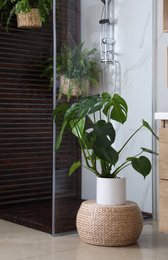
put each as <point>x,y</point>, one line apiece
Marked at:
<point>103,1</point>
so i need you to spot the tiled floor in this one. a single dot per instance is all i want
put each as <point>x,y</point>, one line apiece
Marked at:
<point>18,242</point>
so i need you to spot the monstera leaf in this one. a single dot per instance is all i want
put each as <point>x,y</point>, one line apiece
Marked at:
<point>116,106</point>
<point>104,135</point>
<point>102,130</point>
<point>107,154</point>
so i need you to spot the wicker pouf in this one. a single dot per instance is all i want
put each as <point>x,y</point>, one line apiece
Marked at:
<point>109,225</point>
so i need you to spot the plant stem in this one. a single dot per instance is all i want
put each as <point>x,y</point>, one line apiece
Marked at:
<point>82,143</point>
<point>100,114</point>
<point>94,117</point>
<point>108,116</point>
<point>130,139</point>
<point>93,168</point>
<point>121,168</point>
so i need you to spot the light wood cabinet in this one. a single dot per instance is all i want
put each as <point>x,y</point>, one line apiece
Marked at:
<point>165,15</point>
<point>163,177</point>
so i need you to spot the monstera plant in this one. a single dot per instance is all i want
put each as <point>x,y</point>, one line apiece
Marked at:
<point>91,121</point>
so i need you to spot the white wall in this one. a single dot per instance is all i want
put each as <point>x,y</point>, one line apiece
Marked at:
<point>134,45</point>
<point>90,16</point>
<point>160,79</point>
<point>133,34</point>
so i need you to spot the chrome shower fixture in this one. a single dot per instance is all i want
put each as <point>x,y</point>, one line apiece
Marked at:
<point>110,67</point>
<point>107,32</point>
<point>108,41</point>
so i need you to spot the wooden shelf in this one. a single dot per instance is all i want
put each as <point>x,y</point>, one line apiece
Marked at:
<point>165,15</point>
<point>163,177</point>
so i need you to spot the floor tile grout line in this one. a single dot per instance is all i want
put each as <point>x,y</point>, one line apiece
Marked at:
<point>55,252</point>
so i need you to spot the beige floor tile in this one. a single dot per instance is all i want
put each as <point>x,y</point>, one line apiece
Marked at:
<point>151,227</point>
<point>103,253</point>
<point>156,242</point>
<point>21,243</point>
<point>17,242</point>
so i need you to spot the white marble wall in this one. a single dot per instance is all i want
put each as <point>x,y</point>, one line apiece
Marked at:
<point>134,44</point>
<point>133,34</point>
<point>90,16</point>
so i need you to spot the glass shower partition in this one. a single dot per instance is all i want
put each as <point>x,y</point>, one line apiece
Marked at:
<point>66,190</point>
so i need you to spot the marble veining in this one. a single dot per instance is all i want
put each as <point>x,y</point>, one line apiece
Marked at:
<point>145,31</point>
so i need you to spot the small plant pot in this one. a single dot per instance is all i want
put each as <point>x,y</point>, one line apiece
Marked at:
<point>76,91</point>
<point>29,20</point>
<point>111,191</point>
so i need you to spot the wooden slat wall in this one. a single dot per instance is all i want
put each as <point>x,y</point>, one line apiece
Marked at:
<point>26,114</point>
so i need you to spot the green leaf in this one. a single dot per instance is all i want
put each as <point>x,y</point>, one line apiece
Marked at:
<point>117,107</point>
<point>3,3</point>
<point>103,131</point>
<point>59,139</point>
<point>149,151</point>
<point>107,154</point>
<point>74,166</point>
<point>120,110</point>
<point>87,141</point>
<point>59,112</point>
<point>77,127</point>
<point>101,138</point>
<point>106,95</point>
<point>130,159</point>
<point>149,128</point>
<point>142,165</point>
<point>95,109</point>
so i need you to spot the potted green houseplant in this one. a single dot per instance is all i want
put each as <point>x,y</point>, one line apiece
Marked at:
<point>90,120</point>
<point>76,68</point>
<point>30,13</point>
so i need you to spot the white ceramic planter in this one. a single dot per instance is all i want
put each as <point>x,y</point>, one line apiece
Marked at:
<point>111,191</point>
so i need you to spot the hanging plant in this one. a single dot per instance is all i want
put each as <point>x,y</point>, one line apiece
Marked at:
<point>31,13</point>
<point>76,68</point>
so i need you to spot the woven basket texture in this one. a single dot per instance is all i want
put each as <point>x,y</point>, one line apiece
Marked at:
<point>76,91</point>
<point>29,20</point>
<point>109,225</point>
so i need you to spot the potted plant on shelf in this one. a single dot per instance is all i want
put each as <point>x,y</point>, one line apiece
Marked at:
<point>90,120</point>
<point>30,13</point>
<point>76,68</point>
